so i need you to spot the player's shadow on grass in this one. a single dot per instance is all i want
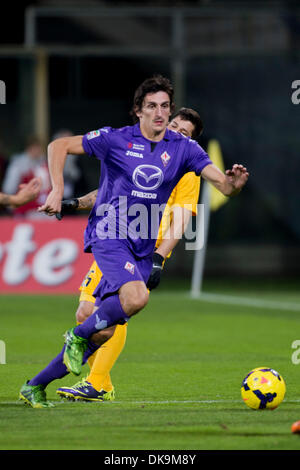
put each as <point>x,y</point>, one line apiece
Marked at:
<point>220,430</point>
<point>260,434</point>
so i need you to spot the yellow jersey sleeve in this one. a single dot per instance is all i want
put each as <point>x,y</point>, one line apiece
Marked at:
<point>186,192</point>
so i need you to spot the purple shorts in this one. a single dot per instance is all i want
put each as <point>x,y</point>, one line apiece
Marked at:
<point>118,266</point>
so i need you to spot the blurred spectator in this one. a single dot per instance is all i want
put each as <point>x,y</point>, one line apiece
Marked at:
<point>3,162</point>
<point>3,165</point>
<point>72,173</point>
<point>22,168</point>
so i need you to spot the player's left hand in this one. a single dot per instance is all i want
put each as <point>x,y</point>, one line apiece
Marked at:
<point>157,266</point>
<point>237,176</point>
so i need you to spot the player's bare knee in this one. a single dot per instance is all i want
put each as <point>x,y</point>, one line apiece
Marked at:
<point>138,301</point>
<point>133,297</point>
<point>84,310</point>
<point>80,318</point>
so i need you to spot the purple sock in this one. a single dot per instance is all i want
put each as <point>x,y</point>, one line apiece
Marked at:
<point>110,312</point>
<point>56,368</point>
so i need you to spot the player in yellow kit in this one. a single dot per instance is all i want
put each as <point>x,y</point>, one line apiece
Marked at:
<point>97,386</point>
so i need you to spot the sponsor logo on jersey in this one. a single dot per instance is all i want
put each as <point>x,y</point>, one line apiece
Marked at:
<point>143,195</point>
<point>133,146</point>
<point>129,153</point>
<point>130,267</point>
<point>165,157</point>
<point>93,134</point>
<point>147,177</point>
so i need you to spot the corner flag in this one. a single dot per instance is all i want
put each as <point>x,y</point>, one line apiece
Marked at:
<point>212,199</point>
<point>217,199</point>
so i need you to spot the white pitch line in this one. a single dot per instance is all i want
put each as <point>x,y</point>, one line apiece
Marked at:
<point>140,402</point>
<point>171,402</point>
<point>249,302</point>
<point>145,402</point>
<point>168,402</point>
<point>235,300</point>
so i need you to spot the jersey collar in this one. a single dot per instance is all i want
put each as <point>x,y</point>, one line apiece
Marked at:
<point>137,133</point>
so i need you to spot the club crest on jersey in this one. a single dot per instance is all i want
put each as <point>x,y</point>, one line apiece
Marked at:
<point>92,134</point>
<point>165,157</point>
<point>130,267</point>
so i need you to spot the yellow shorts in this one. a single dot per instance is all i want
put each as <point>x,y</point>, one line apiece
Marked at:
<point>90,283</point>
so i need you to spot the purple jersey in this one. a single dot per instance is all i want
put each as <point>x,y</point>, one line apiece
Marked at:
<point>137,178</point>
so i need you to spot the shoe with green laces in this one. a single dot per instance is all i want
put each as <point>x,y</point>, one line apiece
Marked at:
<point>74,351</point>
<point>84,391</point>
<point>108,396</point>
<point>35,396</point>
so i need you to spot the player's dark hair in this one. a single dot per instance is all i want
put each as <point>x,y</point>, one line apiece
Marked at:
<point>151,85</point>
<point>188,114</point>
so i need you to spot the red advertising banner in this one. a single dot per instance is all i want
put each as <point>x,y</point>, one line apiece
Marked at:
<point>42,256</point>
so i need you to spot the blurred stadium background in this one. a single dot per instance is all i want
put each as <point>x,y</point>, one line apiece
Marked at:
<point>75,65</point>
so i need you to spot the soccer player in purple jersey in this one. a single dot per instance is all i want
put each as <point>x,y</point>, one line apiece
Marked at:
<point>140,166</point>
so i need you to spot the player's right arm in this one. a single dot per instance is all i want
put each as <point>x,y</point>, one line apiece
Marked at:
<point>57,154</point>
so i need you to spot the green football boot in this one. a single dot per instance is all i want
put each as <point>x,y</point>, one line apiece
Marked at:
<point>35,396</point>
<point>74,351</point>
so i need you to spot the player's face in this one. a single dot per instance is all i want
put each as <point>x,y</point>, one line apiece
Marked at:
<point>155,114</point>
<point>180,125</point>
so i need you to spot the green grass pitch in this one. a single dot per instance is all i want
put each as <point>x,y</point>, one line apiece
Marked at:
<point>177,381</point>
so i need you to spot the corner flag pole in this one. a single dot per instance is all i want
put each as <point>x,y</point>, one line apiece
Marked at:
<point>199,257</point>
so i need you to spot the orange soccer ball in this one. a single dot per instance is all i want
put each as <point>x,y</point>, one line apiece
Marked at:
<point>296,427</point>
